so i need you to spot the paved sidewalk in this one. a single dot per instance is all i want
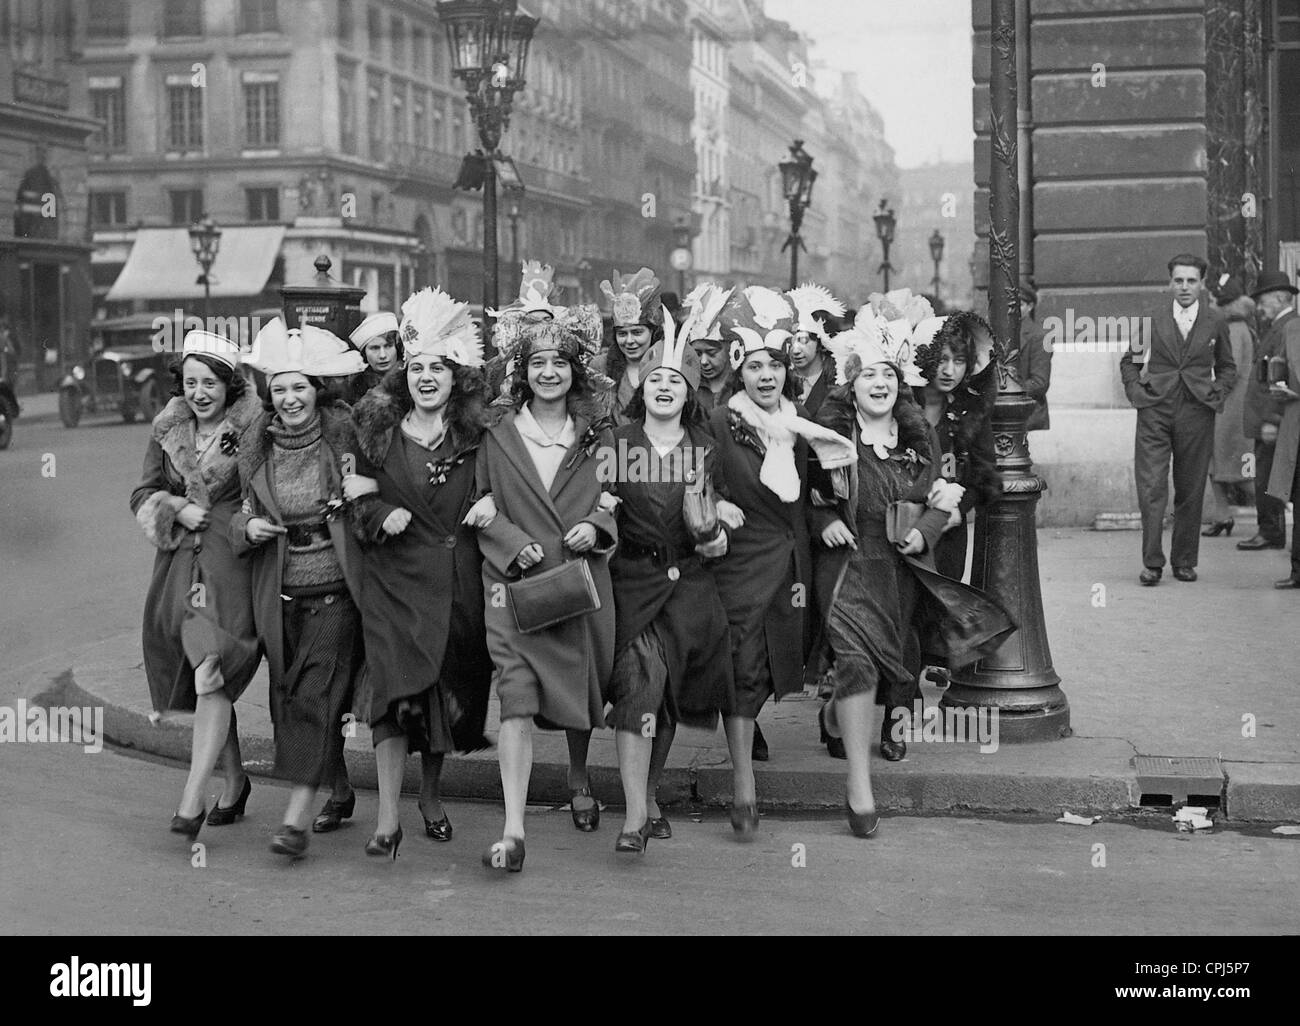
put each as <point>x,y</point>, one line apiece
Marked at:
<point>1207,669</point>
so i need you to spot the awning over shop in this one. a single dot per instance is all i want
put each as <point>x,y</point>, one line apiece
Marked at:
<point>162,265</point>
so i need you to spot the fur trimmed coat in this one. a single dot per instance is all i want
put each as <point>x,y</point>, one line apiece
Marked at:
<point>200,595</point>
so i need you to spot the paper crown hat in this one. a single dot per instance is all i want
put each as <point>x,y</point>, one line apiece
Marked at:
<point>756,319</point>
<point>704,312</point>
<point>809,299</point>
<point>306,350</point>
<point>635,298</point>
<point>205,343</point>
<point>435,325</point>
<point>673,352</point>
<point>372,327</point>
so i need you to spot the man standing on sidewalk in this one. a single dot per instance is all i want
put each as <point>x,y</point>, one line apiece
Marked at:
<point>1284,477</point>
<point>1178,376</point>
<point>1263,412</point>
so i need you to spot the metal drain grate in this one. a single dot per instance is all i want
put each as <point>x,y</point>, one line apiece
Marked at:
<point>1173,780</point>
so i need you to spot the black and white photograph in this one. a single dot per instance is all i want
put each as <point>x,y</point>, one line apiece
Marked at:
<point>649,468</point>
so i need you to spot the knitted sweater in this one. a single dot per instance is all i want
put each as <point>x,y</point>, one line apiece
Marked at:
<point>295,473</point>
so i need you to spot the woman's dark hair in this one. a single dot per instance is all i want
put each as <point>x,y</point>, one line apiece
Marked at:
<point>580,400</point>
<point>328,391</point>
<point>466,412</point>
<point>782,357</point>
<point>693,414</point>
<point>616,362</point>
<point>233,379</point>
<point>957,335</point>
<point>838,413</point>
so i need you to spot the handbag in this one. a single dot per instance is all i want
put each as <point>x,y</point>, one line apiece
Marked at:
<point>700,507</point>
<point>553,596</point>
<point>900,518</point>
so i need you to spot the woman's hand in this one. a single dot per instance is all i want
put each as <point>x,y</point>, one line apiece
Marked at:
<point>913,544</point>
<point>259,530</point>
<point>1281,390</point>
<point>481,514</point>
<point>355,486</point>
<point>715,549</point>
<point>836,533</point>
<point>529,556</point>
<point>581,539</point>
<point>945,495</point>
<point>193,517</point>
<point>731,514</point>
<point>396,522</point>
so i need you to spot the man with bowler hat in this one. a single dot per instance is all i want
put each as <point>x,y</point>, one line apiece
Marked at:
<point>1177,374</point>
<point>1275,298</point>
<point>1284,476</point>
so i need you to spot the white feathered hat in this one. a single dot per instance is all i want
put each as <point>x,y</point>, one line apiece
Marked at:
<point>808,299</point>
<point>434,324</point>
<point>307,350</point>
<point>869,341</point>
<point>704,313</point>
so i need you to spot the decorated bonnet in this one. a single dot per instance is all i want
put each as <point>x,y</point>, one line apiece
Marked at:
<point>704,306</point>
<point>809,299</point>
<point>673,352</point>
<point>757,319</point>
<point>635,299</point>
<point>307,350</point>
<point>870,341</point>
<point>436,326</point>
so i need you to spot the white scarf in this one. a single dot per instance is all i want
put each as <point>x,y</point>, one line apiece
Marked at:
<point>777,431</point>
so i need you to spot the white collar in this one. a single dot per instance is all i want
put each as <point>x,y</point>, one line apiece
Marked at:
<point>527,426</point>
<point>1182,314</point>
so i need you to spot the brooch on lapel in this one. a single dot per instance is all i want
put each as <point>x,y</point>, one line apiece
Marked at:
<point>438,471</point>
<point>333,508</point>
<point>229,443</point>
<point>587,443</point>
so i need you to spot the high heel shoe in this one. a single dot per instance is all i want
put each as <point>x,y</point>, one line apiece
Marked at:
<point>289,840</point>
<point>634,841</point>
<point>225,815</point>
<point>863,824</point>
<point>891,750</point>
<point>744,820</point>
<point>332,814</point>
<point>1219,527</point>
<point>507,854</point>
<point>585,820</point>
<point>385,844</point>
<point>439,830</point>
<point>190,827</point>
<point>660,828</point>
<point>834,745</point>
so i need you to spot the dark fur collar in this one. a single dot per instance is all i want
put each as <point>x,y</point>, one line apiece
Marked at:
<point>375,417</point>
<point>173,430</point>
<point>839,414</point>
<point>336,430</point>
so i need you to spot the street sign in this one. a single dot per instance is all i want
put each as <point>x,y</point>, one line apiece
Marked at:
<point>680,259</point>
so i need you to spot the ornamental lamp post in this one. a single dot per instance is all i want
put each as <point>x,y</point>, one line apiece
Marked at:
<point>936,254</point>
<point>797,180</point>
<point>205,241</point>
<point>514,190</point>
<point>489,41</point>
<point>886,222</point>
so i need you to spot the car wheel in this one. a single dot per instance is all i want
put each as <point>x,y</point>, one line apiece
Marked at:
<point>148,401</point>
<point>70,407</point>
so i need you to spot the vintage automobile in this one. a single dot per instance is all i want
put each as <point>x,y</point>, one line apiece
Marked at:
<point>126,373</point>
<point>9,408</point>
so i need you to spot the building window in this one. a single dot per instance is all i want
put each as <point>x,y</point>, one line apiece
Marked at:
<point>420,119</point>
<point>347,22</point>
<point>439,124</point>
<point>108,104</point>
<point>182,18</point>
<point>399,113</point>
<point>258,16</point>
<point>374,31</point>
<point>107,209</point>
<point>263,204</point>
<point>419,50</point>
<point>184,114</point>
<point>397,30</point>
<point>106,19</point>
<point>375,116</point>
<point>347,111</point>
<point>261,110</point>
<point>187,205</point>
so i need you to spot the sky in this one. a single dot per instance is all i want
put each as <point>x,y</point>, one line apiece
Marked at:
<point>913,59</point>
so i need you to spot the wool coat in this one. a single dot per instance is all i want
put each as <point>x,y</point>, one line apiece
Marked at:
<point>1287,454</point>
<point>564,670</point>
<point>184,624</point>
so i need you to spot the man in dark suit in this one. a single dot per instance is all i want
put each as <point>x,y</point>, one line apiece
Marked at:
<point>1034,361</point>
<point>1275,298</point>
<point>1178,376</point>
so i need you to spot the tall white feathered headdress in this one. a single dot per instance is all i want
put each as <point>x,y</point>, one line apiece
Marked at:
<point>704,312</point>
<point>307,350</point>
<point>435,325</point>
<point>673,352</point>
<point>808,299</point>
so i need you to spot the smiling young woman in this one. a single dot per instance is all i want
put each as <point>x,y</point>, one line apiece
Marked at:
<point>637,315</point>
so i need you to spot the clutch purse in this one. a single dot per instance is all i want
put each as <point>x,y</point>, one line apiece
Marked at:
<point>553,596</point>
<point>700,507</point>
<point>900,518</point>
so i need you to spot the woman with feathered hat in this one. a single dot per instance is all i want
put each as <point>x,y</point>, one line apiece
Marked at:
<point>200,647</point>
<point>539,465</point>
<point>869,580</point>
<point>672,661</point>
<point>638,317</point>
<point>295,532</point>
<point>418,437</point>
<point>763,445</point>
<point>702,327</point>
<point>815,309</point>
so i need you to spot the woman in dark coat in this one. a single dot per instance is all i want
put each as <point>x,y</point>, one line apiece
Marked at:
<point>762,458</point>
<point>869,585</point>
<point>422,596</point>
<point>539,465</point>
<point>200,648</point>
<point>295,533</point>
<point>815,310</point>
<point>672,661</point>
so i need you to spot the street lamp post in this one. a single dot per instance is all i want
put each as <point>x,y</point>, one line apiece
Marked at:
<point>797,179</point>
<point>489,42</point>
<point>936,254</point>
<point>681,255</point>
<point>205,241</point>
<point>514,191</point>
<point>886,222</point>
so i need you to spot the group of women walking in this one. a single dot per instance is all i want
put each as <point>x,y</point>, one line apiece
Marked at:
<point>627,538</point>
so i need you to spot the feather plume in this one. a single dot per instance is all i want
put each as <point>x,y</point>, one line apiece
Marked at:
<point>435,324</point>
<point>770,307</point>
